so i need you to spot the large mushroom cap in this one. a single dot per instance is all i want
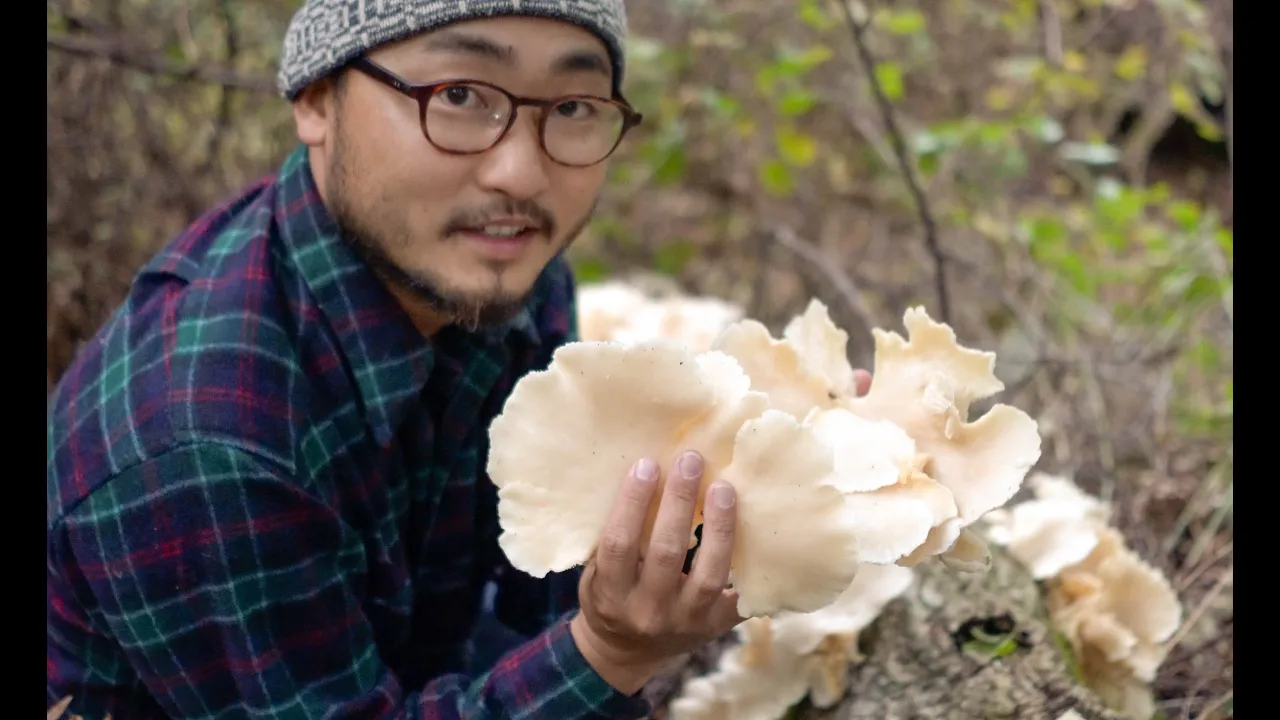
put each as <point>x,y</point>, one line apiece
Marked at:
<point>795,547</point>
<point>777,368</point>
<point>568,436</point>
<point>925,385</point>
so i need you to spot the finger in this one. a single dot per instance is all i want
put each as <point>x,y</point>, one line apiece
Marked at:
<point>723,615</point>
<point>861,382</point>
<point>618,553</point>
<point>664,560</point>
<point>710,573</point>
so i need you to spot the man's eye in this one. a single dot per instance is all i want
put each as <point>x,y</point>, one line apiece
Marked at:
<point>458,94</point>
<point>575,109</point>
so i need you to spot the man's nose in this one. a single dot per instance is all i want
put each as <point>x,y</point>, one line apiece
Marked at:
<point>517,165</point>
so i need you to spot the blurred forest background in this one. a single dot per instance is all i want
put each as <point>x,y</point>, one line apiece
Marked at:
<point>1051,177</point>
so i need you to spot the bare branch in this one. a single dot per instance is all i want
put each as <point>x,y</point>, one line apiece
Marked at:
<point>117,52</point>
<point>829,269</point>
<point>231,43</point>
<point>1051,23</point>
<point>859,30</point>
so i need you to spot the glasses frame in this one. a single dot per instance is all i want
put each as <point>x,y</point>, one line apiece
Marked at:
<point>423,93</point>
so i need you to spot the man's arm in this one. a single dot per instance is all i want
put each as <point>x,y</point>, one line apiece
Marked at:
<point>229,587</point>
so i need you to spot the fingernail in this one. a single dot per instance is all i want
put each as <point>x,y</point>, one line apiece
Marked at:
<point>690,465</point>
<point>722,495</point>
<point>646,469</point>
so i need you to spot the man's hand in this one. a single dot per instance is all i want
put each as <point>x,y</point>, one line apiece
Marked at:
<point>639,614</point>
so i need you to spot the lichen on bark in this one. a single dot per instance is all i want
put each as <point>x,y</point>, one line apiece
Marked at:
<point>930,655</point>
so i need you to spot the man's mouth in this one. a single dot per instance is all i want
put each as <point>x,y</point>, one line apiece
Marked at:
<point>502,241</point>
<point>504,232</point>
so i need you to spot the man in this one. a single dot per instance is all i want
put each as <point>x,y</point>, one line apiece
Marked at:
<point>266,472</point>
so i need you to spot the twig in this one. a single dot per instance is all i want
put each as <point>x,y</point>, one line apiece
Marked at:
<point>1052,23</point>
<point>231,43</point>
<point>1207,711</point>
<point>1203,606</point>
<point>858,30</point>
<point>1185,583</point>
<point>841,281</point>
<point>116,52</point>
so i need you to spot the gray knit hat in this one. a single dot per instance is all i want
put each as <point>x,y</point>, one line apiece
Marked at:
<point>326,34</point>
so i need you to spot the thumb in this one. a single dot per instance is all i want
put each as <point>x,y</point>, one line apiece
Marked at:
<point>861,382</point>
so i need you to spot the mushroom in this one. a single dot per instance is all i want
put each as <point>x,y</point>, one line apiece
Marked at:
<point>692,321</point>
<point>760,690</point>
<point>1057,529</point>
<point>874,480</point>
<point>1116,611</point>
<point>924,385</point>
<point>879,470</point>
<point>793,382</point>
<point>605,308</point>
<point>611,404</point>
<point>622,312</point>
<point>783,658</point>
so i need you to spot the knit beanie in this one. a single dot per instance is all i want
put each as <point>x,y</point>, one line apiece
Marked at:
<point>324,35</point>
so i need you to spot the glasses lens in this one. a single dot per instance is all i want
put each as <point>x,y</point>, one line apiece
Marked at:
<point>466,118</point>
<point>582,131</point>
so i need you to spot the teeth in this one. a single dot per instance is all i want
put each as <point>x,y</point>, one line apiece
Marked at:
<point>502,230</point>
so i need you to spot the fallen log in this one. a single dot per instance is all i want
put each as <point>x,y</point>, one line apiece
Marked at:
<point>931,655</point>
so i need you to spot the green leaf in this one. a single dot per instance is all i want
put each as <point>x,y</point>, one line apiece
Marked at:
<point>672,257</point>
<point>796,103</point>
<point>902,22</point>
<point>1077,274</point>
<point>889,77</point>
<point>765,80</point>
<point>792,64</point>
<point>671,169</point>
<point>1047,129</point>
<point>1045,231</point>
<point>776,178</point>
<point>1226,241</point>
<point>795,147</point>
<point>1186,213</point>
<point>589,270</point>
<point>812,14</point>
<point>665,155</point>
<point>1132,63</point>
<point>725,106</point>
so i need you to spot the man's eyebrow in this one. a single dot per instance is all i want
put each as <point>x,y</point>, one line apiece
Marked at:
<point>572,62</point>
<point>579,61</point>
<point>459,42</point>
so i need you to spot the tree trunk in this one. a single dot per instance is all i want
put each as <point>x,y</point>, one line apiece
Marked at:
<point>914,667</point>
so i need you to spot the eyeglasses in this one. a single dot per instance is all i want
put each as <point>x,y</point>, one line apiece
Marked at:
<point>465,117</point>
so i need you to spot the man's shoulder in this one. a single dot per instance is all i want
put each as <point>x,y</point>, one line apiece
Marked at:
<point>203,348</point>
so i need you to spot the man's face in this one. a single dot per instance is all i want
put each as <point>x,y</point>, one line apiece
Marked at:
<point>418,214</point>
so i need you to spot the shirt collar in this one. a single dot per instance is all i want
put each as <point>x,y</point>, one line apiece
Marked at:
<point>388,357</point>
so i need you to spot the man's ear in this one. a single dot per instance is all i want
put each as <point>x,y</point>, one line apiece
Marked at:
<point>313,111</point>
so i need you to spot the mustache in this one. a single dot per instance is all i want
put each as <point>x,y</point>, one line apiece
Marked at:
<point>541,218</point>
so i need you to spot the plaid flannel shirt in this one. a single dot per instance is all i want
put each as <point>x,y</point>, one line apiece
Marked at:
<point>266,492</point>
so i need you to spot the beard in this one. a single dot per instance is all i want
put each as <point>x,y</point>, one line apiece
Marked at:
<point>372,228</point>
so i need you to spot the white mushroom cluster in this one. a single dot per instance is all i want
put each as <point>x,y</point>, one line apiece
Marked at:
<point>622,312</point>
<point>1116,611</point>
<point>827,483</point>
<point>782,659</point>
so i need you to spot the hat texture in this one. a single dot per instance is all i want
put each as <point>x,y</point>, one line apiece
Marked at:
<point>324,35</point>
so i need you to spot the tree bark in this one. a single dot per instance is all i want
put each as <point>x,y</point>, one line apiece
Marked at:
<point>913,668</point>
